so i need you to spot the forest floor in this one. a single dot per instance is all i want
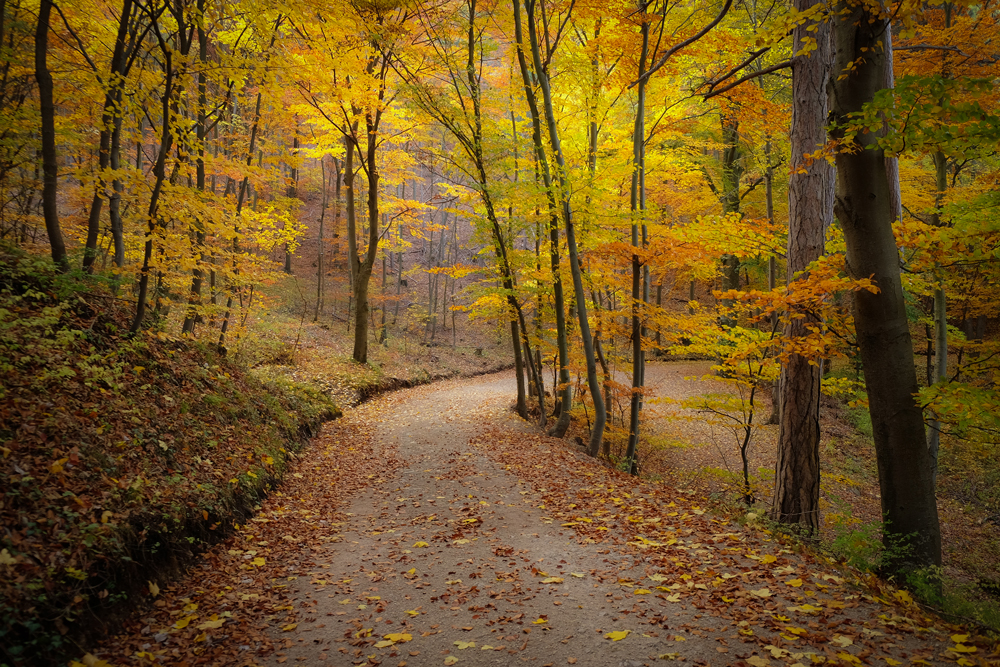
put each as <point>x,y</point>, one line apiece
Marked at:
<point>430,526</point>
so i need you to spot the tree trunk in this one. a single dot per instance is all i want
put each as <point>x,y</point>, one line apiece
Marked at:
<point>864,210</point>
<point>319,259</point>
<point>637,199</point>
<point>600,414</point>
<point>796,489</point>
<point>50,163</point>
<point>293,188</point>
<point>111,96</point>
<point>563,388</point>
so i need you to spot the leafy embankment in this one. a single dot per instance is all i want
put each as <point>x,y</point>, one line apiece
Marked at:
<point>121,456</point>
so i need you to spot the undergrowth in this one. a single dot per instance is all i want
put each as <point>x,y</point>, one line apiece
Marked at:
<point>123,456</point>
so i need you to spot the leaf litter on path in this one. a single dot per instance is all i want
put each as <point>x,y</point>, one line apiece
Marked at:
<point>652,575</point>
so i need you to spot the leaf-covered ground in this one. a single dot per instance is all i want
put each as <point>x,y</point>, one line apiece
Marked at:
<point>120,456</point>
<point>430,527</point>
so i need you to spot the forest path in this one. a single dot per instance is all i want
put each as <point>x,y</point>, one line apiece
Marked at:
<point>479,541</point>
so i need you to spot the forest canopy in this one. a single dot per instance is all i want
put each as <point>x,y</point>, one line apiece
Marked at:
<point>804,193</point>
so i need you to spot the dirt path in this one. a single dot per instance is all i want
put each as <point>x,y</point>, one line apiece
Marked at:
<point>491,545</point>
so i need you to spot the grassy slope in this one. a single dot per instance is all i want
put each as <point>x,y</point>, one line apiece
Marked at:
<point>120,457</point>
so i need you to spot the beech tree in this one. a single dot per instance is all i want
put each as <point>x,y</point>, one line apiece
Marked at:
<point>864,209</point>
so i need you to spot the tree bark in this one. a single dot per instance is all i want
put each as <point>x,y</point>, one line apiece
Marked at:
<point>600,413</point>
<point>864,210</point>
<point>637,200</point>
<point>50,162</point>
<point>810,210</point>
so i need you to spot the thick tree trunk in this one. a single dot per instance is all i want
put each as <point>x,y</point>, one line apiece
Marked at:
<point>364,274</point>
<point>810,210</point>
<point>50,163</point>
<point>864,209</point>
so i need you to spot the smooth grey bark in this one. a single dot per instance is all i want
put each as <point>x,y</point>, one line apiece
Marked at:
<point>864,208</point>
<point>50,162</point>
<point>600,413</point>
<point>810,211</point>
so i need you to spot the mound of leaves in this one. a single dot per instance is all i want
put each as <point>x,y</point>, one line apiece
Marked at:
<point>120,456</point>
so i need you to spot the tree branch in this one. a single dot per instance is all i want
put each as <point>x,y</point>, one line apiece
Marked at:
<point>753,75</point>
<point>687,42</point>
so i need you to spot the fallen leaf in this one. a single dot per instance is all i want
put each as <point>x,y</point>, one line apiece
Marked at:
<point>464,645</point>
<point>540,621</point>
<point>259,562</point>
<point>578,575</point>
<point>794,583</point>
<point>398,637</point>
<point>289,627</point>
<point>553,580</point>
<point>384,643</point>
<point>756,661</point>
<point>154,590</point>
<point>183,623</point>
<point>571,661</point>
<point>450,660</point>
<point>211,625</point>
<point>617,635</point>
<point>641,591</point>
<point>841,641</point>
<point>420,545</point>
<point>762,593</point>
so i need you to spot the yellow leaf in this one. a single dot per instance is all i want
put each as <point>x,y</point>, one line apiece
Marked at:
<point>891,662</point>
<point>420,545</point>
<point>258,561</point>
<point>384,643</point>
<point>617,635</point>
<point>553,580</point>
<point>676,597</point>
<point>659,577</point>
<point>641,591</point>
<point>154,590</point>
<point>398,637</point>
<point>289,627</point>
<point>960,639</point>
<point>183,623</point>
<point>768,559</point>
<point>211,625</point>
<point>464,645</point>
<point>962,648</point>
<point>450,660</point>
<point>413,612</point>
<point>345,601</point>
<point>540,621</point>
<point>756,661</point>
<point>105,515</point>
<point>794,583</point>
<point>841,640</point>
<point>578,575</point>
<point>762,593</point>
